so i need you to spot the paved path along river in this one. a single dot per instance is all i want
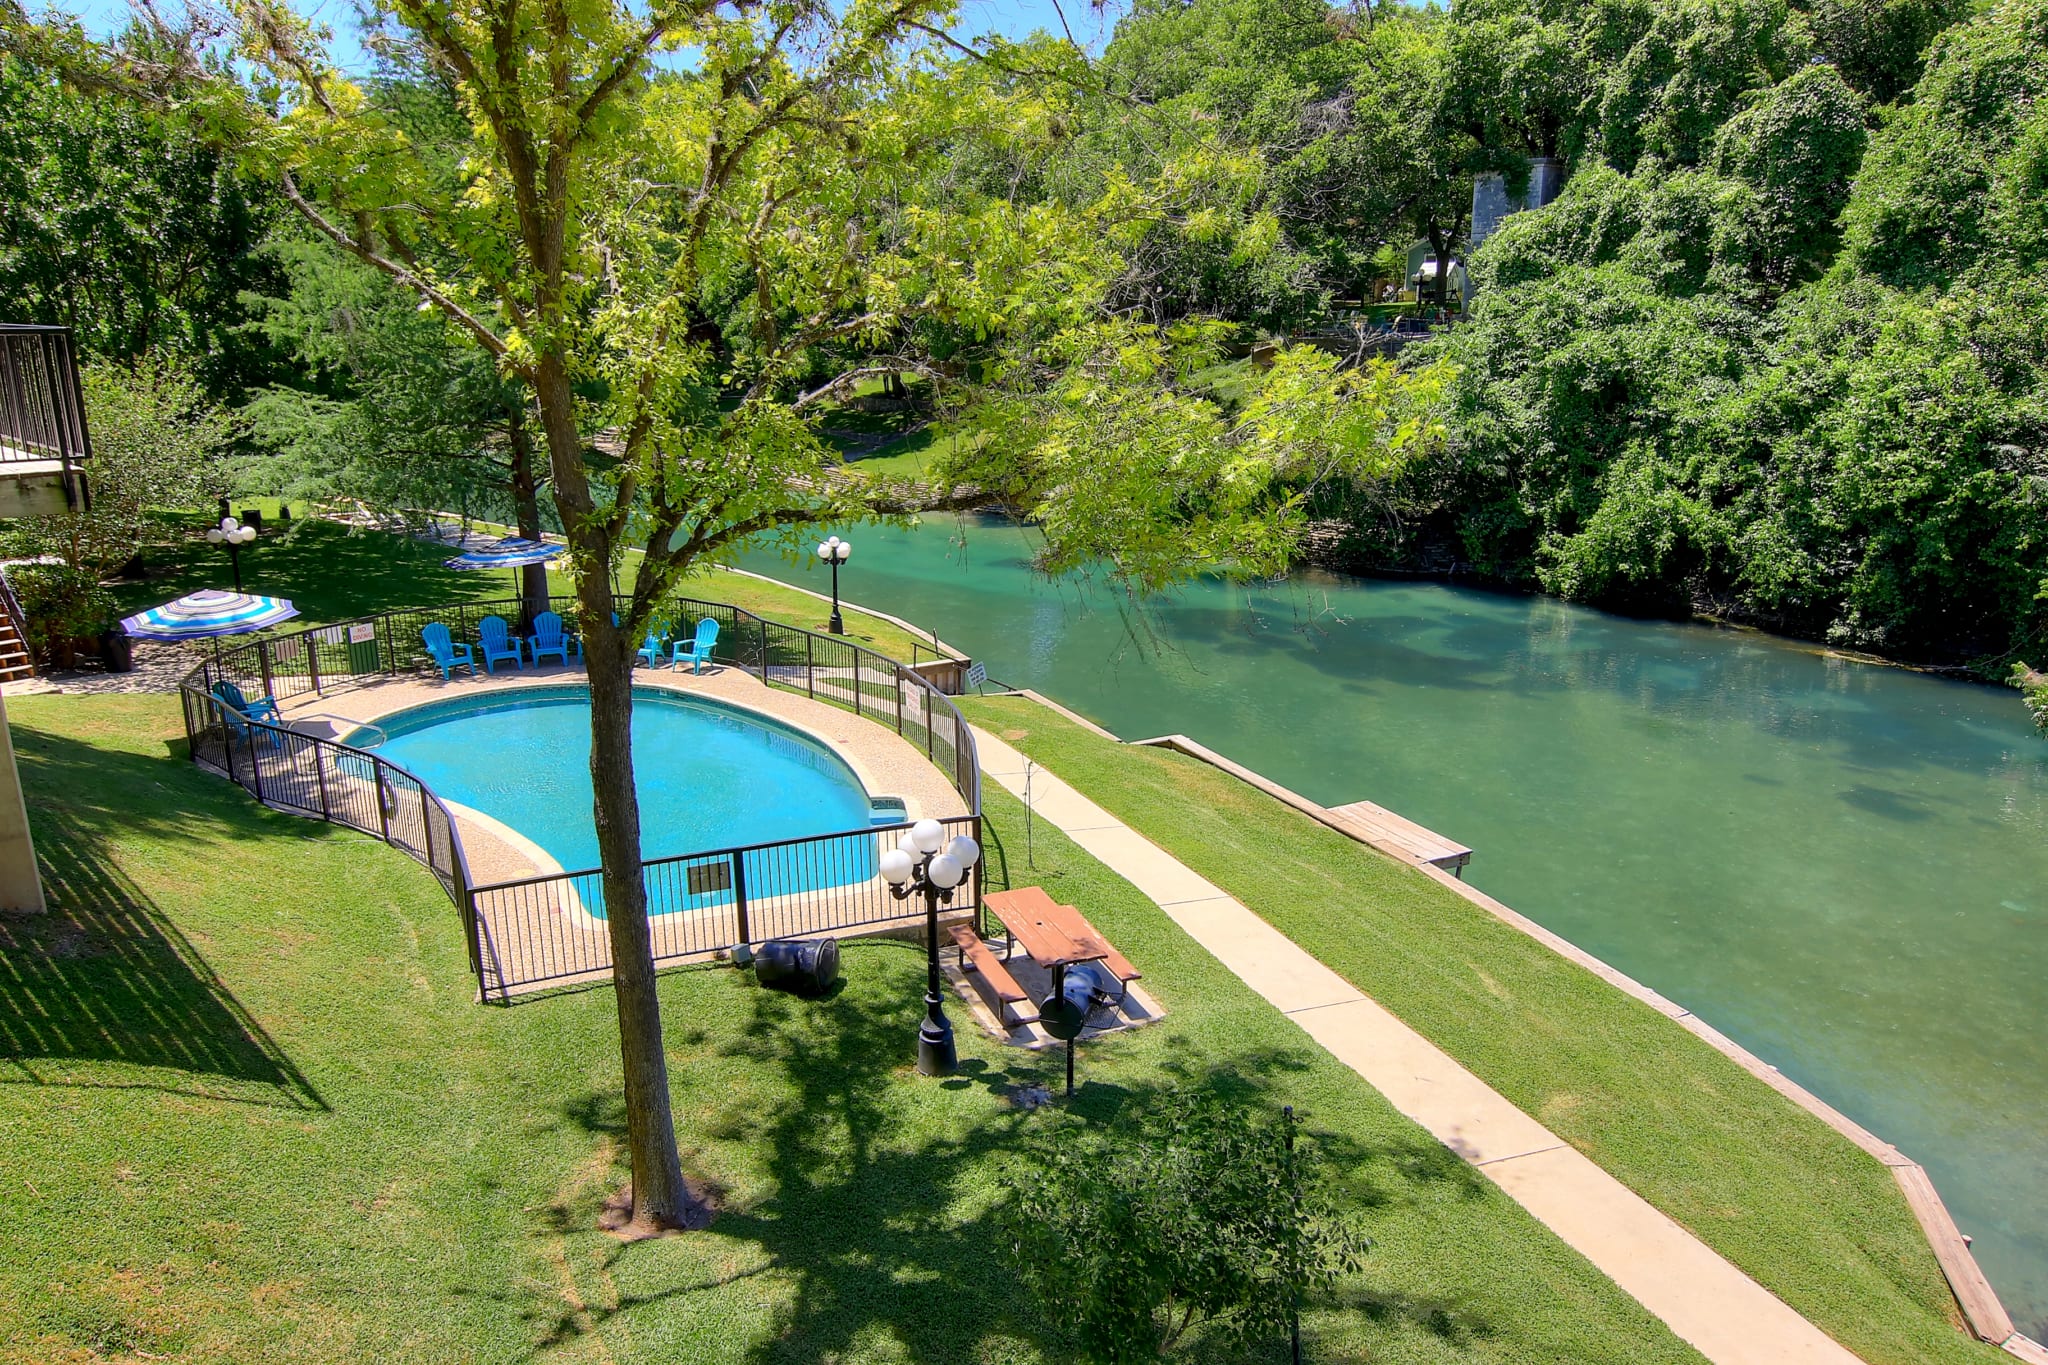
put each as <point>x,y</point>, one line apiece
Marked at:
<point>1843,866</point>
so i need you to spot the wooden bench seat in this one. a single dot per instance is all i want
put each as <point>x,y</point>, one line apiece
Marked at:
<point>991,970</point>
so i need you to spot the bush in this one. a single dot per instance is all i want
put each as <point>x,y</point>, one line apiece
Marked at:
<point>2034,692</point>
<point>61,605</point>
<point>1196,1215</point>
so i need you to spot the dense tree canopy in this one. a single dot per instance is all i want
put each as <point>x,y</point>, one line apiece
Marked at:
<point>1772,351</point>
<point>130,228</point>
<point>1790,368</point>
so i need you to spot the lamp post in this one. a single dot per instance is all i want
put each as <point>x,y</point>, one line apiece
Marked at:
<point>834,552</point>
<point>925,861</point>
<point>234,535</point>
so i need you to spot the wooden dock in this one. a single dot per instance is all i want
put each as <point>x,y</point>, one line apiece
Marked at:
<point>1378,825</point>
<point>1362,820</point>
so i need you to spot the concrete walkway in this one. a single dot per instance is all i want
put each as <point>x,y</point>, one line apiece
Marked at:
<point>1721,1312</point>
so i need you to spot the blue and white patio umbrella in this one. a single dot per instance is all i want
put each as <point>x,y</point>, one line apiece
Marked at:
<point>208,614</point>
<point>513,552</point>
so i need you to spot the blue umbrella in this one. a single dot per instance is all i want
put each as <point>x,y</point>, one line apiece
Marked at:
<point>510,553</point>
<point>513,552</point>
<point>208,614</point>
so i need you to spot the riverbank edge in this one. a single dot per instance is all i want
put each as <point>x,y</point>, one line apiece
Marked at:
<point>1978,1302</point>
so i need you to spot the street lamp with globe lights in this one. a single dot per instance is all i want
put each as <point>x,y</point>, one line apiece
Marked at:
<point>234,535</point>
<point>835,552</point>
<point>926,861</point>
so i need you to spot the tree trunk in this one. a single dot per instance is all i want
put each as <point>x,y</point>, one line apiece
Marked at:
<point>1440,246</point>
<point>533,578</point>
<point>660,1197</point>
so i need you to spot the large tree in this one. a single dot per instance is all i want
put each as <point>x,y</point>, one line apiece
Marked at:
<point>130,227</point>
<point>663,224</point>
<point>396,408</point>
<point>608,208</point>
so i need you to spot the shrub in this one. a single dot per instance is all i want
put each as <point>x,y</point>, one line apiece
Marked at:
<point>61,605</point>
<point>1195,1215</point>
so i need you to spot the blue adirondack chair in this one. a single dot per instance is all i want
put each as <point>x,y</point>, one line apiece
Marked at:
<point>445,653</point>
<point>238,715</point>
<point>261,708</point>
<point>549,639</point>
<point>697,651</point>
<point>651,651</point>
<point>495,638</point>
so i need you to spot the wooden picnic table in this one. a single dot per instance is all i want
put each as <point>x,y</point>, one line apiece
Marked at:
<point>1054,935</point>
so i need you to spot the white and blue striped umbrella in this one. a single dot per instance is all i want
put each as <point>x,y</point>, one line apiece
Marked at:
<point>510,553</point>
<point>208,613</point>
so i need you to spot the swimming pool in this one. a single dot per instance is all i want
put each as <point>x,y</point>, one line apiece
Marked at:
<point>709,776</point>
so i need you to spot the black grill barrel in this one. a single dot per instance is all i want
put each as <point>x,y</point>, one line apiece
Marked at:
<point>801,966</point>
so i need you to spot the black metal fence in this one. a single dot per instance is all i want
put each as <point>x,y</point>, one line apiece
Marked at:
<point>552,928</point>
<point>42,408</point>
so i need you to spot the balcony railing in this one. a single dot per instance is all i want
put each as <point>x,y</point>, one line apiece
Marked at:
<point>42,408</point>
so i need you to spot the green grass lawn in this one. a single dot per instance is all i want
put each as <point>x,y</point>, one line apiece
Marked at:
<point>327,571</point>
<point>1766,1184</point>
<point>332,573</point>
<point>251,1114</point>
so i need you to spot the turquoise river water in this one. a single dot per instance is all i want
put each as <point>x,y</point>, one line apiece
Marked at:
<point>1842,865</point>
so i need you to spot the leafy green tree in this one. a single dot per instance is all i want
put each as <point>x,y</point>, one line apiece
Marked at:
<point>159,443</point>
<point>1880,46</point>
<point>1195,1219</point>
<point>1953,179</point>
<point>592,290</point>
<point>402,413</point>
<point>1686,74</point>
<point>662,260</point>
<point>129,228</point>
<point>1796,149</point>
<point>2034,692</point>
<point>1345,114</point>
<point>1110,442</point>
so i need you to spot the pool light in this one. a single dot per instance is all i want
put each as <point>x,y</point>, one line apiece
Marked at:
<point>835,552</point>
<point>917,865</point>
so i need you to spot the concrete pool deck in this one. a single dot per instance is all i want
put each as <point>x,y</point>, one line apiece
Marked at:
<point>544,931</point>
<point>1707,1302</point>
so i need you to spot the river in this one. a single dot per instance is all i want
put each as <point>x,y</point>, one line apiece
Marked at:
<point>1844,866</point>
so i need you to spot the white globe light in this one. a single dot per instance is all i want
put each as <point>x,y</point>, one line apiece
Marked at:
<point>944,872</point>
<point>909,847</point>
<point>824,550</point>
<point>963,851</point>
<point>928,835</point>
<point>845,551</point>
<point>896,866</point>
<point>228,524</point>
<point>246,534</point>
<point>214,534</point>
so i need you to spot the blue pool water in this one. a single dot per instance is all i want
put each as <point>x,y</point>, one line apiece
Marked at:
<point>709,777</point>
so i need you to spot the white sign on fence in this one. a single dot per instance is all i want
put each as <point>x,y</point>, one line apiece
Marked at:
<point>362,634</point>
<point>977,674</point>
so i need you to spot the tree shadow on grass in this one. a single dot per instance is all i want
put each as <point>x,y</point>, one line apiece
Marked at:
<point>884,1183</point>
<point>103,991</point>
<point>327,572</point>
